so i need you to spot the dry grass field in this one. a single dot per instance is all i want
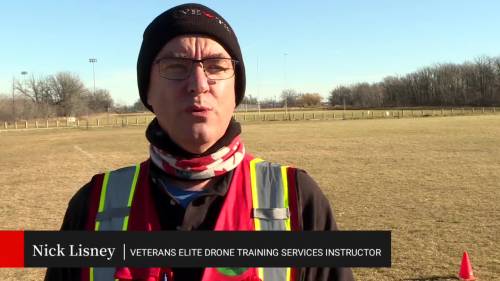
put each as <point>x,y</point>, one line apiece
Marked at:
<point>434,182</point>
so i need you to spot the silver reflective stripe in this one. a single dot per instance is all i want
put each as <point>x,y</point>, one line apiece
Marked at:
<point>117,194</point>
<point>270,193</point>
<point>274,274</point>
<point>116,209</point>
<point>271,212</point>
<point>113,213</point>
<point>104,273</point>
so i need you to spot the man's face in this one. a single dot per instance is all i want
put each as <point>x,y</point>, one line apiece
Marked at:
<point>196,111</point>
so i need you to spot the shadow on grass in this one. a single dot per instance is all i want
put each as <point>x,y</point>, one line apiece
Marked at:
<point>433,278</point>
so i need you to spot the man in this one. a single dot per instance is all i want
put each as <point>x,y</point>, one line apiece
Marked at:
<point>191,76</point>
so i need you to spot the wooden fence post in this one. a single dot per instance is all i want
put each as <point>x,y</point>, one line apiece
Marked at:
<point>57,123</point>
<point>97,122</point>
<point>78,123</point>
<point>472,109</point>
<point>136,121</point>
<point>36,124</point>
<point>483,109</point>
<point>5,125</point>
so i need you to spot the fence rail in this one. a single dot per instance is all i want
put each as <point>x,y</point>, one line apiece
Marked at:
<point>125,121</point>
<point>362,114</point>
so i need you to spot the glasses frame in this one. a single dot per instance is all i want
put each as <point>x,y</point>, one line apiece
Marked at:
<point>193,61</point>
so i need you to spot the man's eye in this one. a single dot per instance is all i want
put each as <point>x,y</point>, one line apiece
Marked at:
<point>215,68</point>
<point>175,67</point>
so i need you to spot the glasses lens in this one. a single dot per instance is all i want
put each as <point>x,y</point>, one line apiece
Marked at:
<point>218,69</point>
<point>172,68</point>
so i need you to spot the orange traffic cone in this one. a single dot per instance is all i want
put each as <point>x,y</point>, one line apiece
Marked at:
<point>466,269</point>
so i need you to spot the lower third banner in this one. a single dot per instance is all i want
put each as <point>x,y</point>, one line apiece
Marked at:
<point>195,249</point>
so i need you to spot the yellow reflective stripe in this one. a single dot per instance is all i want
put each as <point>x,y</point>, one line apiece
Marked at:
<point>255,195</point>
<point>134,183</point>
<point>260,272</point>
<point>102,198</point>
<point>284,178</point>
<point>125,223</point>
<point>255,203</point>
<point>91,274</point>
<point>131,195</point>
<point>103,192</point>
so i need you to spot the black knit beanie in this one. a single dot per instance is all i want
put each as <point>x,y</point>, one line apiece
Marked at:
<point>181,20</point>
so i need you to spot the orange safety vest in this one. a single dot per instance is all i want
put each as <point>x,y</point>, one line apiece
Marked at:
<point>261,197</point>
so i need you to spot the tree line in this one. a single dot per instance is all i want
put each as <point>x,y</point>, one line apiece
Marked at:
<point>474,83</point>
<point>468,84</point>
<point>61,94</point>
<point>288,98</point>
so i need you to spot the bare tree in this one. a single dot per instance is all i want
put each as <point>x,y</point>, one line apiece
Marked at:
<point>39,91</point>
<point>100,101</point>
<point>69,94</point>
<point>309,100</point>
<point>289,97</point>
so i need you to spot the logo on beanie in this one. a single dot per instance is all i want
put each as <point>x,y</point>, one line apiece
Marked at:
<point>186,12</point>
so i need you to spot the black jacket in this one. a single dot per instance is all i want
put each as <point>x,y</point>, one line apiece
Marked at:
<point>201,214</point>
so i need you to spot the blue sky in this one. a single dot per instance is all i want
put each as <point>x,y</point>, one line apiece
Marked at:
<point>310,46</point>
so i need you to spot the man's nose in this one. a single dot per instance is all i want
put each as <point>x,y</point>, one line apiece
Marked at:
<point>198,81</point>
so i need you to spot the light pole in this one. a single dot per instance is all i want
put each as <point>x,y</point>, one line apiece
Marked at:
<point>93,61</point>
<point>284,75</point>
<point>13,95</point>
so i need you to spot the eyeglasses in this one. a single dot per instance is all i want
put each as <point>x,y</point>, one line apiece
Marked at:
<point>181,68</point>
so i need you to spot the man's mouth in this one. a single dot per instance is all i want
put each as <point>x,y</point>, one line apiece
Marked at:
<point>198,110</point>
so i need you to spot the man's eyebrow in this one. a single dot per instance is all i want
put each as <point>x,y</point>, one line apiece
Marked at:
<point>215,55</point>
<point>171,54</point>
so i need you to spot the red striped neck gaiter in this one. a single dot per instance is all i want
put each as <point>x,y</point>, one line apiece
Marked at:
<point>198,168</point>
